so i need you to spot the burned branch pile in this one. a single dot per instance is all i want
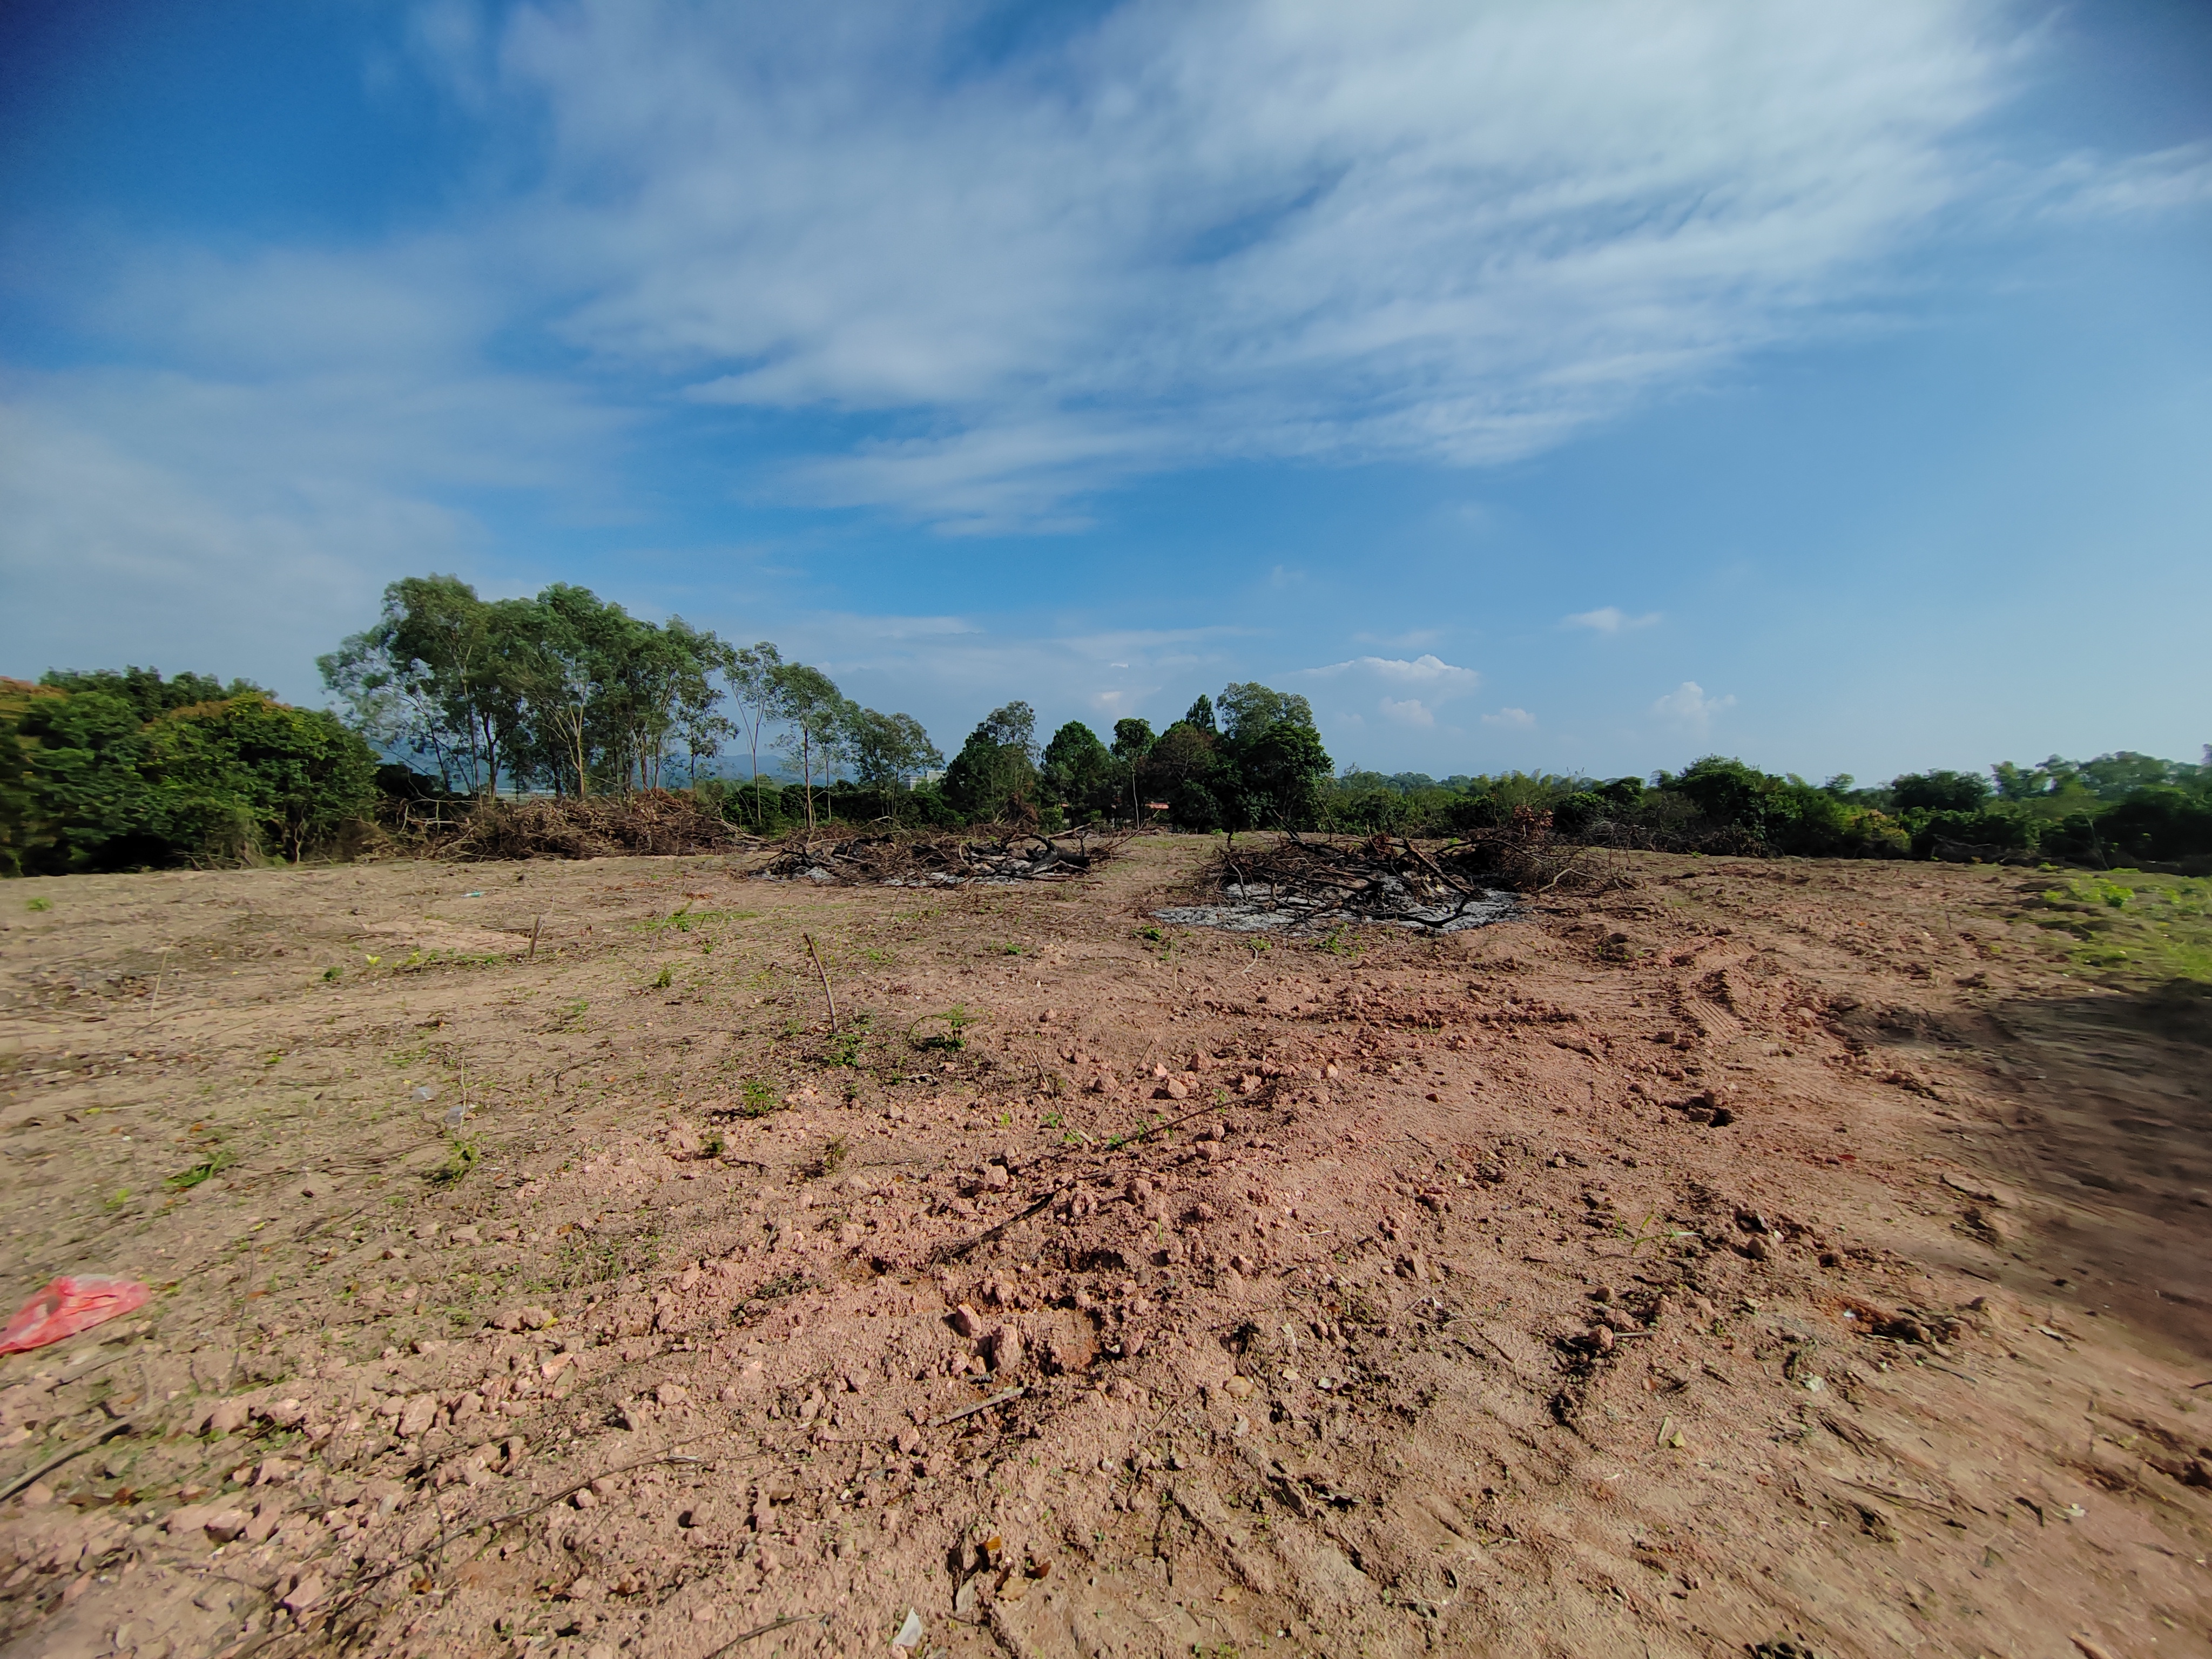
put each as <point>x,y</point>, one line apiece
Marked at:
<point>1304,884</point>
<point>939,860</point>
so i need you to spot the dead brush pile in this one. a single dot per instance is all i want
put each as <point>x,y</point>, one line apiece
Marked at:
<point>1303,883</point>
<point>994,852</point>
<point>652,821</point>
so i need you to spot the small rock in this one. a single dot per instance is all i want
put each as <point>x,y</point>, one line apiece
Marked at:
<point>967,1320</point>
<point>224,1525</point>
<point>1006,1348</point>
<point>415,1416</point>
<point>304,1593</point>
<point>672,1394</point>
<point>467,1235</point>
<point>228,1416</point>
<point>1176,1089</point>
<point>189,1519</point>
<point>995,1177</point>
<point>1237,1388</point>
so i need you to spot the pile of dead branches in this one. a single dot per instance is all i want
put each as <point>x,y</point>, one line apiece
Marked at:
<point>1303,883</point>
<point>652,821</point>
<point>850,857</point>
<point>1526,855</point>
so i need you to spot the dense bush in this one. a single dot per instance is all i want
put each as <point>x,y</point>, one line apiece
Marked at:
<point>108,771</point>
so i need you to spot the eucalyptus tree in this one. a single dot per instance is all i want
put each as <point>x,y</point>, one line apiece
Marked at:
<point>751,672</point>
<point>812,712</point>
<point>887,751</point>
<point>438,676</point>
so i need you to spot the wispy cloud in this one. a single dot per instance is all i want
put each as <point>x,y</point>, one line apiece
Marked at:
<point>1438,677</point>
<point>1610,619</point>
<point>1409,711</point>
<point>2090,186</point>
<point>1516,720</point>
<point>1688,707</point>
<point>1171,235</point>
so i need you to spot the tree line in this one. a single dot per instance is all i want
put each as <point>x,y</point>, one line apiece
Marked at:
<point>569,693</point>
<point>2120,808</point>
<point>448,694</point>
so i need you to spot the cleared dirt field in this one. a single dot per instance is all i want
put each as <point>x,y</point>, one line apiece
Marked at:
<point>1768,1252</point>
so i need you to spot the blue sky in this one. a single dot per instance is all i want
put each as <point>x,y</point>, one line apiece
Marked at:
<point>1583,387</point>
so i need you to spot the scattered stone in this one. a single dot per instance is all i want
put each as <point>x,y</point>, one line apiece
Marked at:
<point>224,1525</point>
<point>304,1595</point>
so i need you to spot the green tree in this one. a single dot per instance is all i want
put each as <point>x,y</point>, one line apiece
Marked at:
<point>887,751</point>
<point>752,673</point>
<point>812,712</point>
<point>1940,791</point>
<point>105,787</point>
<point>994,775</point>
<point>438,675</point>
<point>1080,770</point>
<point>1275,763</point>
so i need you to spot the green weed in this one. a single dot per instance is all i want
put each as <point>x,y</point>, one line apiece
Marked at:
<point>845,1047</point>
<point>2134,925</point>
<point>333,972</point>
<point>211,1164</point>
<point>40,904</point>
<point>461,1157</point>
<point>756,1099</point>
<point>686,919</point>
<point>1341,942</point>
<point>663,979</point>
<point>955,1020</point>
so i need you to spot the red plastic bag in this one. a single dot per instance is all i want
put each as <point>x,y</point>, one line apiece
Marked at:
<point>70,1305</point>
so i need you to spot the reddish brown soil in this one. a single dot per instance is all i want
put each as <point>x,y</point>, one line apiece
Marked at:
<point>1441,1314</point>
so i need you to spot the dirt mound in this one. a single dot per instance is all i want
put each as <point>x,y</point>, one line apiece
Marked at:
<point>939,860</point>
<point>655,822</point>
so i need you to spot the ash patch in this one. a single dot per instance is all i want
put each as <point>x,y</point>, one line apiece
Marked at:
<point>1263,908</point>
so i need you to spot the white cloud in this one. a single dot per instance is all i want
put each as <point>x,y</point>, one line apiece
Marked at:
<point>1610,619</point>
<point>1518,719</point>
<point>1687,706</point>
<point>111,559</point>
<point>2087,186</point>
<point>1441,678</point>
<point>1177,235</point>
<point>1412,711</point>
